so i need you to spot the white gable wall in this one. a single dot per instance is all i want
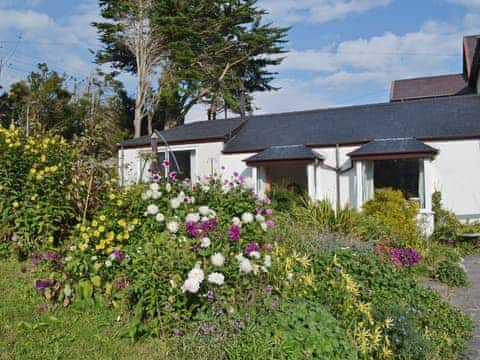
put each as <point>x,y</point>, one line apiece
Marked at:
<point>207,158</point>
<point>456,174</point>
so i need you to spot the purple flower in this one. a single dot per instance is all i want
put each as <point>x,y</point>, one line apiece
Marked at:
<point>234,233</point>
<point>118,254</point>
<point>156,178</point>
<point>42,285</point>
<point>269,212</point>
<point>192,229</point>
<point>235,174</point>
<point>259,211</point>
<point>122,284</point>
<point>173,176</point>
<point>266,200</point>
<point>269,247</point>
<point>177,332</point>
<point>209,225</point>
<point>270,223</point>
<point>269,288</point>
<point>238,324</point>
<point>251,247</point>
<point>210,294</point>
<point>165,164</point>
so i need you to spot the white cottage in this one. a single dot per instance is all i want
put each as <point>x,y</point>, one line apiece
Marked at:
<point>342,154</point>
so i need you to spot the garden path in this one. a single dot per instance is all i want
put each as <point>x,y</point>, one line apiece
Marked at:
<point>468,299</point>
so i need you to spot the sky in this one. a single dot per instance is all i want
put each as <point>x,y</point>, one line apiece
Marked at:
<point>341,52</point>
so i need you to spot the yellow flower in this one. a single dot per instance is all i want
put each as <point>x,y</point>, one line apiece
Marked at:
<point>101,229</point>
<point>110,235</point>
<point>388,322</point>
<point>94,223</point>
<point>102,218</point>
<point>111,196</point>
<point>100,245</point>
<point>126,235</point>
<point>34,197</point>
<point>134,221</point>
<point>304,261</point>
<point>50,239</point>
<point>387,352</point>
<point>43,158</point>
<point>96,233</point>
<point>122,223</point>
<point>82,228</point>
<point>15,204</point>
<point>85,237</point>
<point>119,202</point>
<point>119,237</point>
<point>83,246</point>
<point>83,183</point>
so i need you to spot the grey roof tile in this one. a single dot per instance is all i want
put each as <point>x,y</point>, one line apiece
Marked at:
<point>289,152</point>
<point>393,146</point>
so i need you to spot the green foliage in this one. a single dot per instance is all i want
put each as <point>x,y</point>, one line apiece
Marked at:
<point>443,328</point>
<point>322,215</point>
<point>213,47</point>
<point>451,273</point>
<point>284,199</point>
<point>295,330</point>
<point>390,209</point>
<point>446,223</point>
<point>34,202</point>
<point>150,248</point>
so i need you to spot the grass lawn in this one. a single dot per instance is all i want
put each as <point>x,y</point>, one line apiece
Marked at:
<point>76,332</point>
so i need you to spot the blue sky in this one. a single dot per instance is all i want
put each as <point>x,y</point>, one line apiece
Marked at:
<point>342,52</point>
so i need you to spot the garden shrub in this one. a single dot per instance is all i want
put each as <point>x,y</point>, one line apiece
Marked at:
<point>451,273</point>
<point>374,283</point>
<point>446,225</point>
<point>34,200</point>
<point>284,199</point>
<point>168,251</point>
<point>295,330</point>
<point>397,214</point>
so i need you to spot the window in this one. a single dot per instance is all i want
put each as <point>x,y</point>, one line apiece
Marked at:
<point>406,175</point>
<point>184,169</point>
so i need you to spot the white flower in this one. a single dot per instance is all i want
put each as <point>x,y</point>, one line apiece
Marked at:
<point>217,259</point>
<point>246,266</point>
<point>68,258</point>
<point>191,285</point>
<point>196,274</point>
<point>192,200</point>
<point>145,196</point>
<point>73,248</point>
<point>204,210</point>
<point>152,209</point>
<point>260,218</point>
<point>264,226</point>
<point>192,217</point>
<point>236,221</point>
<point>94,258</point>
<point>248,183</point>
<point>205,242</point>
<point>268,261</point>
<point>205,188</point>
<point>131,227</point>
<point>240,257</point>
<point>172,226</point>
<point>255,254</point>
<point>160,217</point>
<point>173,284</point>
<point>156,195</point>
<point>289,276</point>
<point>216,278</point>
<point>168,187</point>
<point>154,187</point>
<point>108,263</point>
<point>255,269</point>
<point>175,203</point>
<point>247,217</point>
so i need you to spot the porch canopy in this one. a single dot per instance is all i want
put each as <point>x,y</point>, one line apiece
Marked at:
<point>284,153</point>
<point>395,148</point>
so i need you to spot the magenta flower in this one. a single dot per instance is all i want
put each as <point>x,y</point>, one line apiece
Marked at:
<point>234,233</point>
<point>165,164</point>
<point>122,284</point>
<point>269,212</point>
<point>270,223</point>
<point>269,247</point>
<point>192,229</point>
<point>269,288</point>
<point>118,254</point>
<point>209,225</point>
<point>42,285</point>
<point>251,247</point>
<point>173,176</point>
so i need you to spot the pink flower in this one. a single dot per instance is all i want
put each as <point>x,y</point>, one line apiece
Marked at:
<point>251,247</point>
<point>269,212</point>
<point>165,164</point>
<point>270,223</point>
<point>234,233</point>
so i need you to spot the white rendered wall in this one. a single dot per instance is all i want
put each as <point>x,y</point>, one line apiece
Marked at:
<point>234,163</point>
<point>207,158</point>
<point>456,173</point>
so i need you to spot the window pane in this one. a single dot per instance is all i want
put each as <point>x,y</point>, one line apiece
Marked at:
<point>401,174</point>
<point>184,168</point>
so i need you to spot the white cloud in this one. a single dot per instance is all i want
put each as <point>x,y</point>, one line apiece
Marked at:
<point>467,3</point>
<point>318,11</point>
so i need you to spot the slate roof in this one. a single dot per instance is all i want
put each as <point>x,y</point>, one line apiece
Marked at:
<point>215,130</point>
<point>393,146</point>
<point>428,87</point>
<point>289,152</point>
<point>429,119</point>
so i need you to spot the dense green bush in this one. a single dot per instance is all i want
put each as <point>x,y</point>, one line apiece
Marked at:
<point>35,172</point>
<point>295,330</point>
<point>451,273</point>
<point>165,254</point>
<point>284,199</point>
<point>442,329</point>
<point>399,216</point>
<point>446,223</point>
